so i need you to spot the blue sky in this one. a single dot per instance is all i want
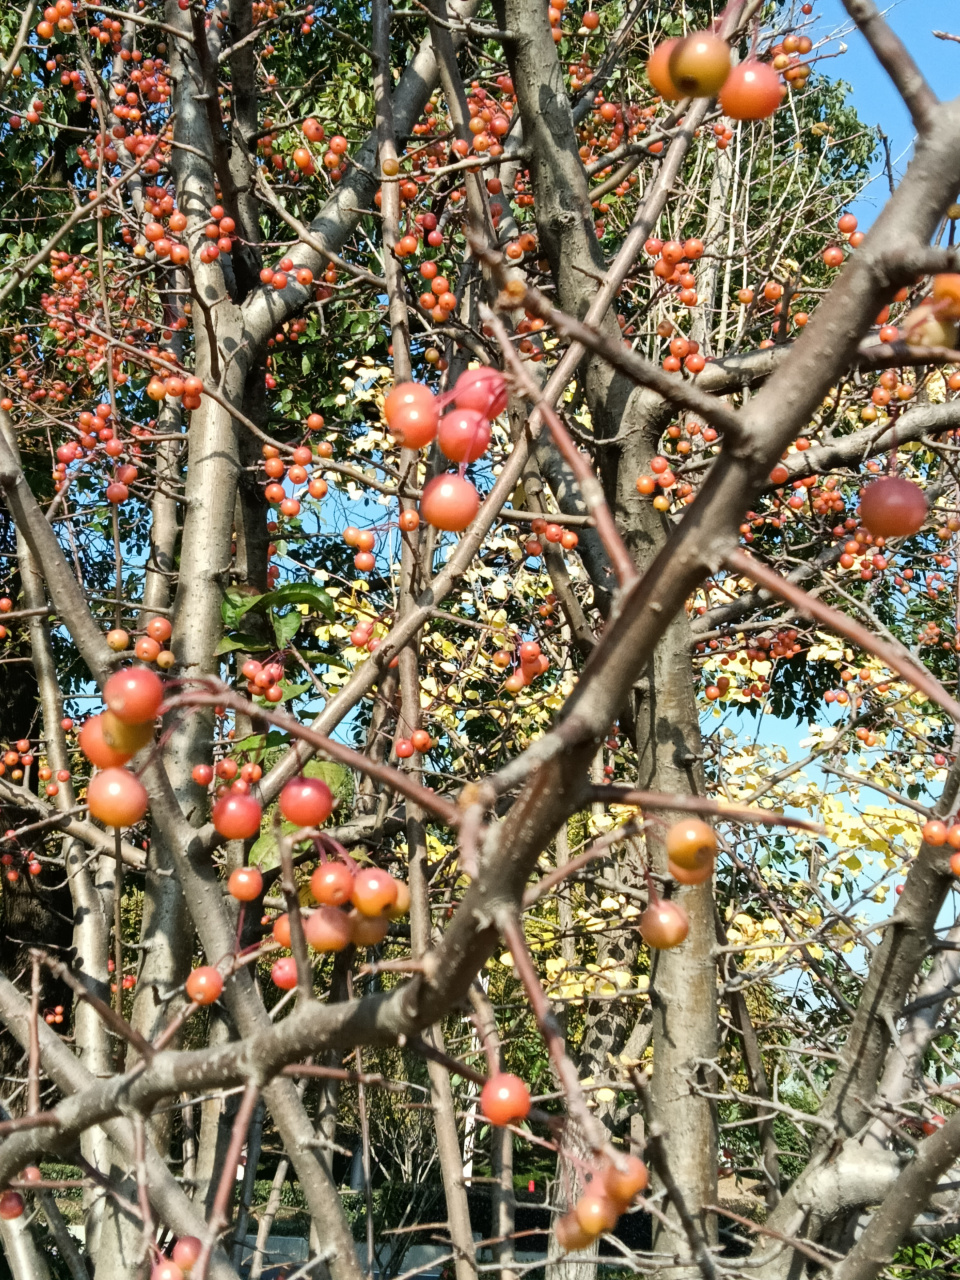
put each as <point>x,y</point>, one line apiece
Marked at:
<point>874,96</point>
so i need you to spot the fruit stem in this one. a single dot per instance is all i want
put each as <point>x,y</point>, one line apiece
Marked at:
<point>593,1131</point>
<point>288,883</point>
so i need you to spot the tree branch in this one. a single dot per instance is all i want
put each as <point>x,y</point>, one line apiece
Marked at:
<point>167,1197</point>
<point>65,592</point>
<point>893,56</point>
<point>908,1197</point>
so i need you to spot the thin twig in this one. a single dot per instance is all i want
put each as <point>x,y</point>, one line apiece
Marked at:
<point>221,695</point>
<point>305,235</point>
<point>288,883</point>
<point>591,490</point>
<point>113,1020</point>
<point>80,214</point>
<point>118,919</point>
<point>567,1074</point>
<point>143,1186</point>
<point>656,1155</point>
<point>821,1259</point>
<point>893,56</point>
<point>672,387</point>
<point>228,1176</point>
<point>699,804</point>
<point>23,35</point>
<point>374,1079</point>
<point>45,1120</point>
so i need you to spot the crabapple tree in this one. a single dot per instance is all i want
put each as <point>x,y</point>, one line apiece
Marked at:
<point>478,642</point>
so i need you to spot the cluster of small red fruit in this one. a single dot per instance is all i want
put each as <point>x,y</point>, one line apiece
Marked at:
<point>19,759</point>
<point>505,1100</point>
<point>58,17</point>
<point>8,860</point>
<point>661,477</point>
<point>673,268</point>
<point>783,644</point>
<point>375,896</point>
<point>304,162</point>
<point>412,414</point>
<point>127,981</point>
<point>239,777</point>
<point>94,432</point>
<point>263,680</point>
<point>549,531</point>
<point>533,663</point>
<point>152,646</point>
<point>295,472</point>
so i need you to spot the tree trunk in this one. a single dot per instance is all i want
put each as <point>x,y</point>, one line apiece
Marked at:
<point>504,1202</point>
<point>448,1151</point>
<point>441,1091</point>
<point>120,1255</point>
<point>683,981</point>
<point>666,720</point>
<point>703,325</point>
<point>567,1187</point>
<point>90,884</point>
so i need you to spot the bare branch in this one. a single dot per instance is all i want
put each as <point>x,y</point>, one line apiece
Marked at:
<point>685,394</point>
<point>19,44</point>
<point>67,597</point>
<point>697,804</point>
<point>591,489</point>
<point>894,657</point>
<point>212,693</point>
<point>906,1199</point>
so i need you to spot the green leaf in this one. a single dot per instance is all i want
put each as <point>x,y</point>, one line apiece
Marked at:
<point>263,852</point>
<point>295,690</point>
<point>257,742</point>
<point>285,626</point>
<point>227,645</point>
<point>304,593</point>
<point>235,604</point>
<point>240,640</point>
<point>325,659</point>
<point>337,777</point>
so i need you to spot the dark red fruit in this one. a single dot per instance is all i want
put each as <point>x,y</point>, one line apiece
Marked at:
<point>893,507</point>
